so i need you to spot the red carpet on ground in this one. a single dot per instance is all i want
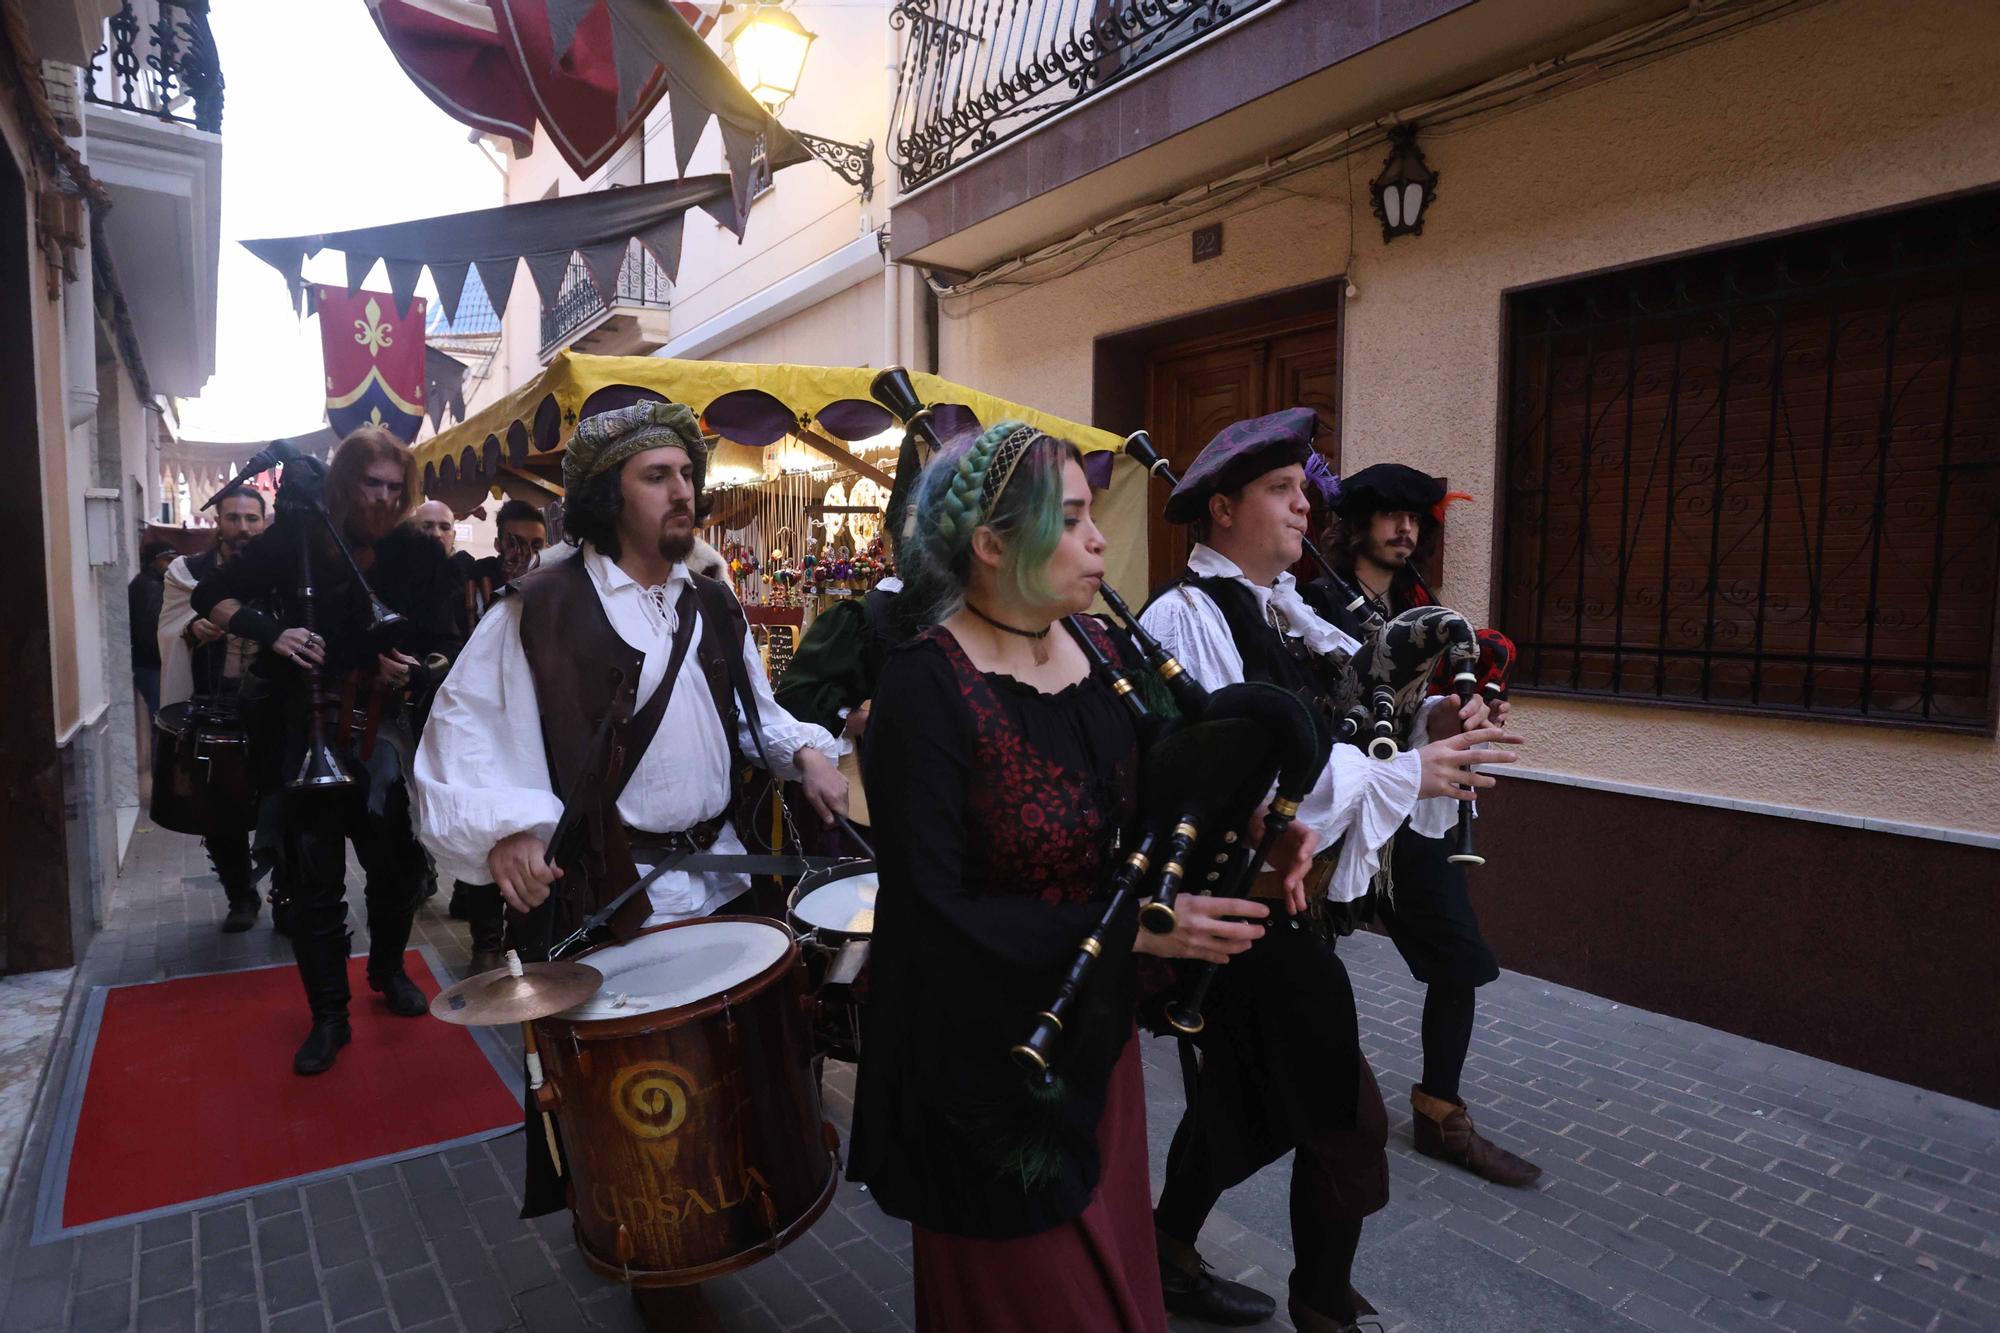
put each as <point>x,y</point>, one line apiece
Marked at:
<point>191,1092</point>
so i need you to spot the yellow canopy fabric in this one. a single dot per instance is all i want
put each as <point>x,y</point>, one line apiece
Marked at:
<point>539,417</point>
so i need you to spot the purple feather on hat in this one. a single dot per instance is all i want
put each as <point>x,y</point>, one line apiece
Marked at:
<point>1321,478</point>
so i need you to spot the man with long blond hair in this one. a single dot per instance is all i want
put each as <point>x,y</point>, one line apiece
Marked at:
<point>359,680</point>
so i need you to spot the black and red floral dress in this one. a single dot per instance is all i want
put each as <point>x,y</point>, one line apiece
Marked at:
<point>1001,812</point>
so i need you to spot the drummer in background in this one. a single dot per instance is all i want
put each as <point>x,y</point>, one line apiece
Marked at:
<point>611,624</point>
<point>1016,770</point>
<point>197,657</point>
<point>520,534</point>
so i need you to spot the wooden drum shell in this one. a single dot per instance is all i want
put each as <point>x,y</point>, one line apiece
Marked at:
<point>694,1139</point>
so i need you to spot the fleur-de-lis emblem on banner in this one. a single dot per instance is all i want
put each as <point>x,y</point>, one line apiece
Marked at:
<point>373,332</point>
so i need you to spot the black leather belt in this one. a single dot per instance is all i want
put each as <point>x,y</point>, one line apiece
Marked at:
<point>647,845</point>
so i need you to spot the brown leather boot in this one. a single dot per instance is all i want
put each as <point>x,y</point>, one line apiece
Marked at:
<point>1444,1131</point>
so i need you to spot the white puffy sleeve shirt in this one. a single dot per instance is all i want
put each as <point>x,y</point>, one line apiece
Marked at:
<point>482,772</point>
<point>1361,799</point>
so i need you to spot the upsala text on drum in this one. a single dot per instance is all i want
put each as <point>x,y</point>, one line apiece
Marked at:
<point>691,1120</point>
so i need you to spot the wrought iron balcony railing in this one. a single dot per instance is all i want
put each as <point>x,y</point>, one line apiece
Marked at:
<point>977,72</point>
<point>641,282</point>
<point>159,59</point>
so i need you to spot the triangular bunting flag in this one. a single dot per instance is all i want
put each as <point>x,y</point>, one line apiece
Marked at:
<point>739,149</point>
<point>403,275</point>
<point>604,262</point>
<point>547,270</point>
<point>664,241</point>
<point>359,266</point>
<point>450,280</point>
<point>565,16</point>
<point>634,66</point>
<point>497,277</point>
<point>689,118</point>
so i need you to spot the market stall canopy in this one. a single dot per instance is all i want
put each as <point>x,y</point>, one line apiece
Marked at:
<point>745,403</point>
<point>599,225</point>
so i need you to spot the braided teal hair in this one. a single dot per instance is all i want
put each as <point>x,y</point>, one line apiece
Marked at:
<point>951,499</point>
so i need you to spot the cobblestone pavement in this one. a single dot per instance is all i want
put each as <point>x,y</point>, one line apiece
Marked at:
<point>1695,1181</point>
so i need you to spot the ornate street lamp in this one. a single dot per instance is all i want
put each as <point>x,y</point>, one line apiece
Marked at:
<point>770,48</point>
<point>1406,187</point>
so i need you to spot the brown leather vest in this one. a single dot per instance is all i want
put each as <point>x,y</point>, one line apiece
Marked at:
<point>582,669</point>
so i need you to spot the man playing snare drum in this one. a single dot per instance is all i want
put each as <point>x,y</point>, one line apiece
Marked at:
<point>607,632</point>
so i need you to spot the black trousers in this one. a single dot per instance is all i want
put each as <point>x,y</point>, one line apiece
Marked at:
<point>316,828</point>
<point>485,912</point>
<point>1340,1174</point>
<point>229,852</point>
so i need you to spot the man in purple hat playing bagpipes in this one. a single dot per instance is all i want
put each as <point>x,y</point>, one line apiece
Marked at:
<point>1280,1062</point>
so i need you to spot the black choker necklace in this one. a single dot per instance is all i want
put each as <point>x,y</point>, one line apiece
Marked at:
<point>1040,636</point>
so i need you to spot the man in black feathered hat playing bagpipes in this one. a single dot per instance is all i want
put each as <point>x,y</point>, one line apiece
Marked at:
<point>1281,1065</point>
<point>1387,519</point>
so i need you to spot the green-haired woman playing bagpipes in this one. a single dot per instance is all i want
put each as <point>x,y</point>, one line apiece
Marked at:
<point>1003,778</point>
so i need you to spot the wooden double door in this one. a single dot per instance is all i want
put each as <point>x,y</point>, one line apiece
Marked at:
<point>1197,387</point>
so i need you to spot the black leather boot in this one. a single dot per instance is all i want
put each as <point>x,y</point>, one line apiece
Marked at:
<point>388,933</point>
<point>1193,1290</point>
<point>229,853</point>
<point>323,970</point>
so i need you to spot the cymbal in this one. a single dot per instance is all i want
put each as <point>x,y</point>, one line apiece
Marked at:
<point>503,996</point>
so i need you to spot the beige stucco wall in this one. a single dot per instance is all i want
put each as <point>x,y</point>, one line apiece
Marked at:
<point>844,329</point>
<point>1835,109</point>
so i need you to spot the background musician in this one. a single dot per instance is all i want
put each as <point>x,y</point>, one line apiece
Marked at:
<point>1387,518</point>
<point>197,657</point>
<point>1015,773</point>
<point>1281,1061</point>
<point>520,534</point>
<point>368,488</point>
<point>620,624</point>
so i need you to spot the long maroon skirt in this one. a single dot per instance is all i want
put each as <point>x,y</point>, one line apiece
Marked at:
<point>1099,1271</point>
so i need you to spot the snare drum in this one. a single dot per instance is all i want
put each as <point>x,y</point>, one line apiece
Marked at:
<point>691,1121</point>
<point>833,911</point>
<point>201,770</point>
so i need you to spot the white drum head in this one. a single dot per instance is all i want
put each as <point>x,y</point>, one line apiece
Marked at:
<point>670,968</point>
<point>844,905</point>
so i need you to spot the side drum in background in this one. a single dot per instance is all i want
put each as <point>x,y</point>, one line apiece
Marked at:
<point>691,1121</point>
<point>201,769</point>
<point>833,911</point>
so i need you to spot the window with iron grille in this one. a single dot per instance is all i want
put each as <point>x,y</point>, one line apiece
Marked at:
<point>1765,478</point>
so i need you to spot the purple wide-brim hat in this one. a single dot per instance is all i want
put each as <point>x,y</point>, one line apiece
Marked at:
<point>1241,454</point>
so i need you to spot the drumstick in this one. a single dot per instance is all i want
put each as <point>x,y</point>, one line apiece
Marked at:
<point>535,1086</point>
<point>859,841</point>
<point>535,1070</point>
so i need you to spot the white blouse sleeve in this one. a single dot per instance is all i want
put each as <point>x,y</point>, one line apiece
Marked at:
<point>784,735</point>
<point>482,772</point>
<point>1190,626</point>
